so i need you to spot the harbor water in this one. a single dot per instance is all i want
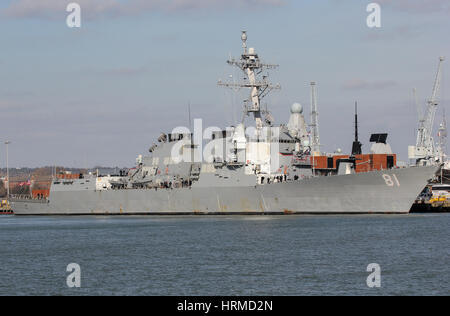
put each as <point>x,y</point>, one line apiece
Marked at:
<point>240,255</point>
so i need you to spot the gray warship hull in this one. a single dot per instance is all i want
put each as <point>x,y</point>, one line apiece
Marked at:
<point>387,191</point>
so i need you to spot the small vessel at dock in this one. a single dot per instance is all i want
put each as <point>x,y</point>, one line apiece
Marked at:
<point>5,207</point>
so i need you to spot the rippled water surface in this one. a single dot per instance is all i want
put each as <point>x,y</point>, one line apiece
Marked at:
<point>242,255</point>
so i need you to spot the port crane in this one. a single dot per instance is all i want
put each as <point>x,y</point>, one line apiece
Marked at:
<point>442,134</point>
<point>425,152</point>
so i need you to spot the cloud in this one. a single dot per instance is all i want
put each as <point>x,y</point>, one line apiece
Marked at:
<point>417,6</point>
<point>115,72</point>
<point>393,34</point>
<point>9,107</point>
<point>125,71</point>
<point>360,84</point>
<point>54,9</point>
<point>18,93</point>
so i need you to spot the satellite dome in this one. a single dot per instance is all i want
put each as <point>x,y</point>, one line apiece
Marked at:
<point>296,108</point>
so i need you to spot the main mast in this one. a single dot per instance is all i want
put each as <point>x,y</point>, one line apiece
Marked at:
<point>252,67</point>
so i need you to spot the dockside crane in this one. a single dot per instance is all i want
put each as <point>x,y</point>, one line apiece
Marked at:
<point>442,134</point>
<point>425,152</point>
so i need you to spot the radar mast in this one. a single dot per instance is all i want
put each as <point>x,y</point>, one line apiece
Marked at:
<point>259,87</point>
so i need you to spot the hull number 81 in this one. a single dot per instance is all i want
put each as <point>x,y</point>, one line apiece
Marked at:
<point>391,181</point>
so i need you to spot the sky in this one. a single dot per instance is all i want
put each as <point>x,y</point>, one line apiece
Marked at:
<point>101,94</point>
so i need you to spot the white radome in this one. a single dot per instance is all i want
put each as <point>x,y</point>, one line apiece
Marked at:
<point>296,108</point>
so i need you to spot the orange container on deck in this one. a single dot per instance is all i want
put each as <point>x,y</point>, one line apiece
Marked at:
<point>364,162</point>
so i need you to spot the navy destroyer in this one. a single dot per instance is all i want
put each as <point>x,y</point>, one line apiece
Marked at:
<point>258,168</point>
